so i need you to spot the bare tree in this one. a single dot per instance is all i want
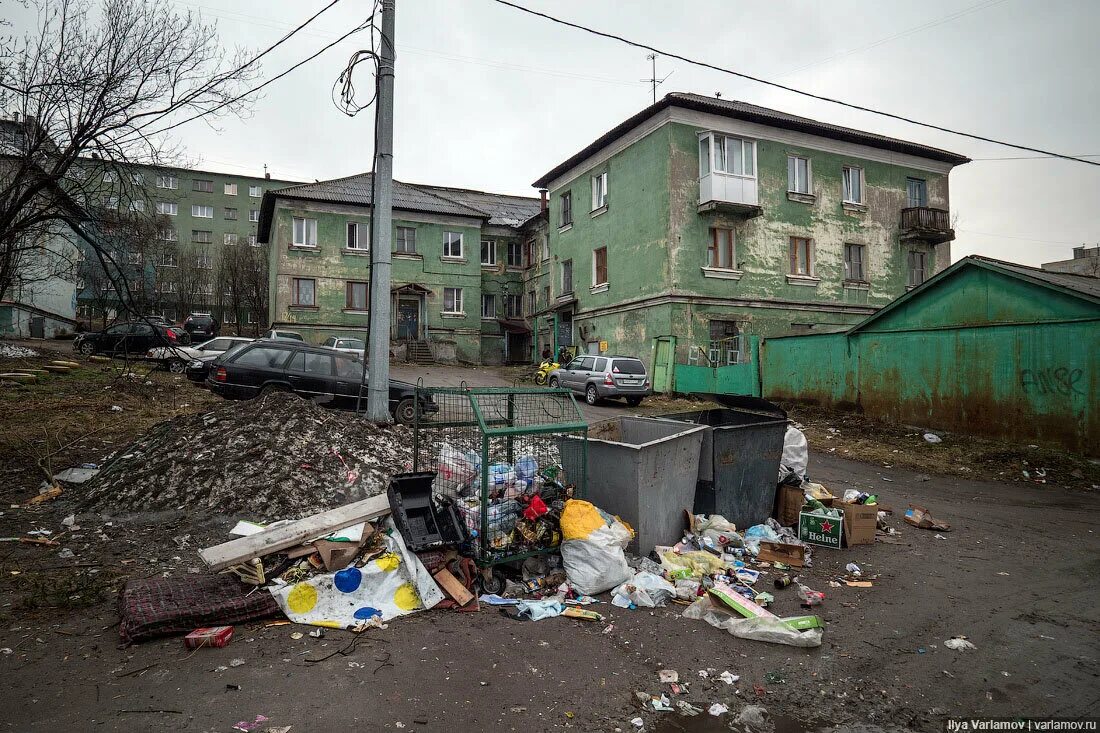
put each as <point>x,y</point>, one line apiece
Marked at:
<point>92,94</point>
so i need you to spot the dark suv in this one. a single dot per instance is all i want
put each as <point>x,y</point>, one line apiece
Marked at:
<point>131,337</point>
<point>201,326</point>
<point>329,378</point>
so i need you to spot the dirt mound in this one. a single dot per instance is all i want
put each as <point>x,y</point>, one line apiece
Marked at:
<point>274,457</point>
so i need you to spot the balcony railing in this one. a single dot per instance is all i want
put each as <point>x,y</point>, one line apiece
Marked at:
<point>729,193</point>
<point>927,224</point>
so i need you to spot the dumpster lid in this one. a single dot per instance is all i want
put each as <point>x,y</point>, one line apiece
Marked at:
<point>750,404</point>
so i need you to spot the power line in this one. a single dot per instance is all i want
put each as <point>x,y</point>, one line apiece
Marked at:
<point>784,87</point>
<point>1052,242</point>
<point>1037,157</point>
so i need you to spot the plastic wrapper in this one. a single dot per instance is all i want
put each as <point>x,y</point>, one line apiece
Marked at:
<point>762,628</point>
<point>646,590</point>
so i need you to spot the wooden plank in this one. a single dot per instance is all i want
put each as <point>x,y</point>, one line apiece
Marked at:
<point>453,587</point>
<point>279,538</point>
<point>782,552</point>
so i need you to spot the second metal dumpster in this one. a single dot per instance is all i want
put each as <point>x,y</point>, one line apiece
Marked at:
<point>740,454</point>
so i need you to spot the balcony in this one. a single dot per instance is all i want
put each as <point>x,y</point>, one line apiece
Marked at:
<point>925,224</point>
<point>728,193</point>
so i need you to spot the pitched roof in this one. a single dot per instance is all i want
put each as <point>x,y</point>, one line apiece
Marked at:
<point>1083,284</point>
<point>752,113</point>
<point>357,190</point>
<point>503,209</point>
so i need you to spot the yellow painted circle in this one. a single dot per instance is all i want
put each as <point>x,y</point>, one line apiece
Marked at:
<point>302,598</point>
<point>406,598</point>
<point>388,562</point>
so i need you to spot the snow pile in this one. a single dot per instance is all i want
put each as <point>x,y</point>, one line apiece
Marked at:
<point>273,457</point>
<point>10,351</point>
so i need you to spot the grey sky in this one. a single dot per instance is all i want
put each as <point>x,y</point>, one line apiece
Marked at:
<point>490,98</point>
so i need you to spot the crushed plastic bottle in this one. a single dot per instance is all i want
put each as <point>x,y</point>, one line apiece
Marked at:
<point>809,596</point>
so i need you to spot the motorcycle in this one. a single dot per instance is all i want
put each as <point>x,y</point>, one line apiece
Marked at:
<point>547,366</point>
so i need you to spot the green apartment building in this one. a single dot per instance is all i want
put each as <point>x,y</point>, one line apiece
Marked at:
<point>700,220</point>
<point>459,263</point>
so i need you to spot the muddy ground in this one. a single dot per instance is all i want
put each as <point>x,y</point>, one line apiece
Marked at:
<point>1017,574</point>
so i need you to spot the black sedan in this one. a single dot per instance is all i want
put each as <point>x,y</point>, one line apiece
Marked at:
<point>329,378</point>
<point>134,338</point>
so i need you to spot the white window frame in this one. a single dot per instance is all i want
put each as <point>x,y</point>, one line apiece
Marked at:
<point>255,191</point>
<point>362,237</point>
<point>108,176</point>
<point>910,270</point>
<point>793,186</point>
<point>199,211</point>
<point>488,299</point>
<point>846,173</point>
<point>169,235</point>
<point>168,259</point>
<point>491,250</point>
<point>229,189</point>
<point>229,316</point>
<point>716,247</point>
<point>252,241</point>
<point>456,301</point>
<point>848,275</point>
<point>561,276</point>
<point>137,178</point>
<point>304,231</point>
<point>202,236</point>
<point>349,286</point>
<point>203,261</point>
<point>721,163</point>
<point>230,238</point>
<point>137,205</point>
<point>448,246</point>
<point>398,234</point>
<point>294,292</point>
<point>811,257</point>
<point>599,191</point>
<point>168,208</point>
<point>513,247</point>
<point>226,211</point>
<point>253,215</point>
<point>168,182</point>
<point>563,220</point>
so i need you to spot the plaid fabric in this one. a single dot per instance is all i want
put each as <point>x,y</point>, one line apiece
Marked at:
<point>154,607</point>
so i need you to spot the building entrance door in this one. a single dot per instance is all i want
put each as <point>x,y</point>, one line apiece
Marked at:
<point>408,319</point>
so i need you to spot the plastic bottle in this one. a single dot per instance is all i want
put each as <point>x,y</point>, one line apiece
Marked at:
<point>526,467</point>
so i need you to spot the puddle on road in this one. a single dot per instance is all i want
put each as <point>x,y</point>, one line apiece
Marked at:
<point>704,723</point>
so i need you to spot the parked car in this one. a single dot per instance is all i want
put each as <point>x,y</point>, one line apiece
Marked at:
<point>130,338</point>
<point>176,358</point>
<point>277,334</point>
<point>198,368</point>
<point>597,377</point>
<point>314,372</point>
<point>347,345</point>
<point>201,326</point>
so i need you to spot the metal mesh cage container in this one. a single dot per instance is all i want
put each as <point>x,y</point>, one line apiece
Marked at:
<point>498,455</point>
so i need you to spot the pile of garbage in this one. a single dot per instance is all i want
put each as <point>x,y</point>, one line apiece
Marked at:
<point>11,351</point>
<point>277,456</point>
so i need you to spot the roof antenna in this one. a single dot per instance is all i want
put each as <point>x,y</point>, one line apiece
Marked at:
<point>718,95</point>
<point>653,79</point>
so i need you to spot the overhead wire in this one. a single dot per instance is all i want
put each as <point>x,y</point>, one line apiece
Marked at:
<point>777,85</point>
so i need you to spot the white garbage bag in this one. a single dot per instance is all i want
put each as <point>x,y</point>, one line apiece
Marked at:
<point>646,590</point>
<point>796,454</point>
<point>597,563</point>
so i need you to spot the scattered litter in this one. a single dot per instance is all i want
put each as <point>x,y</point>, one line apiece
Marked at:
<point>65,554</point>
<point>959,644</point>
<point>920,517</point>
<point>940,537</point>
<point>10,351</point>
<point>728,677</point>
<point>236,662</point>
<point>853,569</point>
<point>687,709</point>
<point>247,727</point>
<point>637,722</point>
<point>668,675</point>
<point>296,635</point>
<point>718,709</point>
<point>660,703</point>
<point>210,636</point>
<point>116,408</point>
<point>317,633</point>
<point>933,438</point>
<point>753,717</point>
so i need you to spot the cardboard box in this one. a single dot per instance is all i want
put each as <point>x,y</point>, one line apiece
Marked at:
<point>860,522</point>
<point>789,500</point>
<point>782,552</point>
<point>822,531</point>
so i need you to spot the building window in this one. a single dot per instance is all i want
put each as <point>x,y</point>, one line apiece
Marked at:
<point>137,178</point>
<point>513,306</point>
<point>405,241</point>
<point>515,254</point>
<point>202,212</point>
<point>80,284</point>
<point>544,247</point>
<point>253,215</point>
<point>108,176</point>
<point>599,266</point>
<point>599,191</point>
<point>304,290</point>
<point>546,294</point>
<point>566,276</point>
<point>721,251</point>
<point>250,318</point>
<point>230,238</point>
<point>230,189</point>
<point>255,191</point>
<point>167,288</point>
<point>203,261</point>
<point>724,154</point>
<point>916,192</point>
<point>452,244</point>
<point>305,232</point>
<point>356,296</point>
<point>532,302</point>
<point>169,235</point>
<point>488,306</point>
<point>252,240</point>
<point>133,258</point>
<point>203,237</point>
<point>853,262</point>
<point>566,209</point>
<point>916,268</point>
<point>798,174</point>
<point>229,316</point>
<point>167,208</point>
<point>203,185</point>
<point>137,205</point>
<point>357,236</point>
<point>168,258</point>
<point>852,178</point>
<point>168,182</point>
<point>802,256</point>
<point>488,252</point>
<point>205,289</point>
<point>112,202</point>
<point>230,214</point>
<point>452,300</point>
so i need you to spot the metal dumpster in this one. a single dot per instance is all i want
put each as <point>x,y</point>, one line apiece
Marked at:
<point>644,470</point>
<point>740,454</point>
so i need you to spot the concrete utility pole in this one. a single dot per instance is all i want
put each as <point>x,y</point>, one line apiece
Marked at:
<point>378,392</point>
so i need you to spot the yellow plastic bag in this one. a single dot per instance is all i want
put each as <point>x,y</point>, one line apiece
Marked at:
<point>580,519</point>
<point>698,563</point>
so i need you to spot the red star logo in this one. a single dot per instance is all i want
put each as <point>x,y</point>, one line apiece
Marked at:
<point>826,527</point>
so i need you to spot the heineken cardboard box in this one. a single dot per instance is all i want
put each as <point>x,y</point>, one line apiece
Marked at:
<point>822,531</point>
<point>860,522</point>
